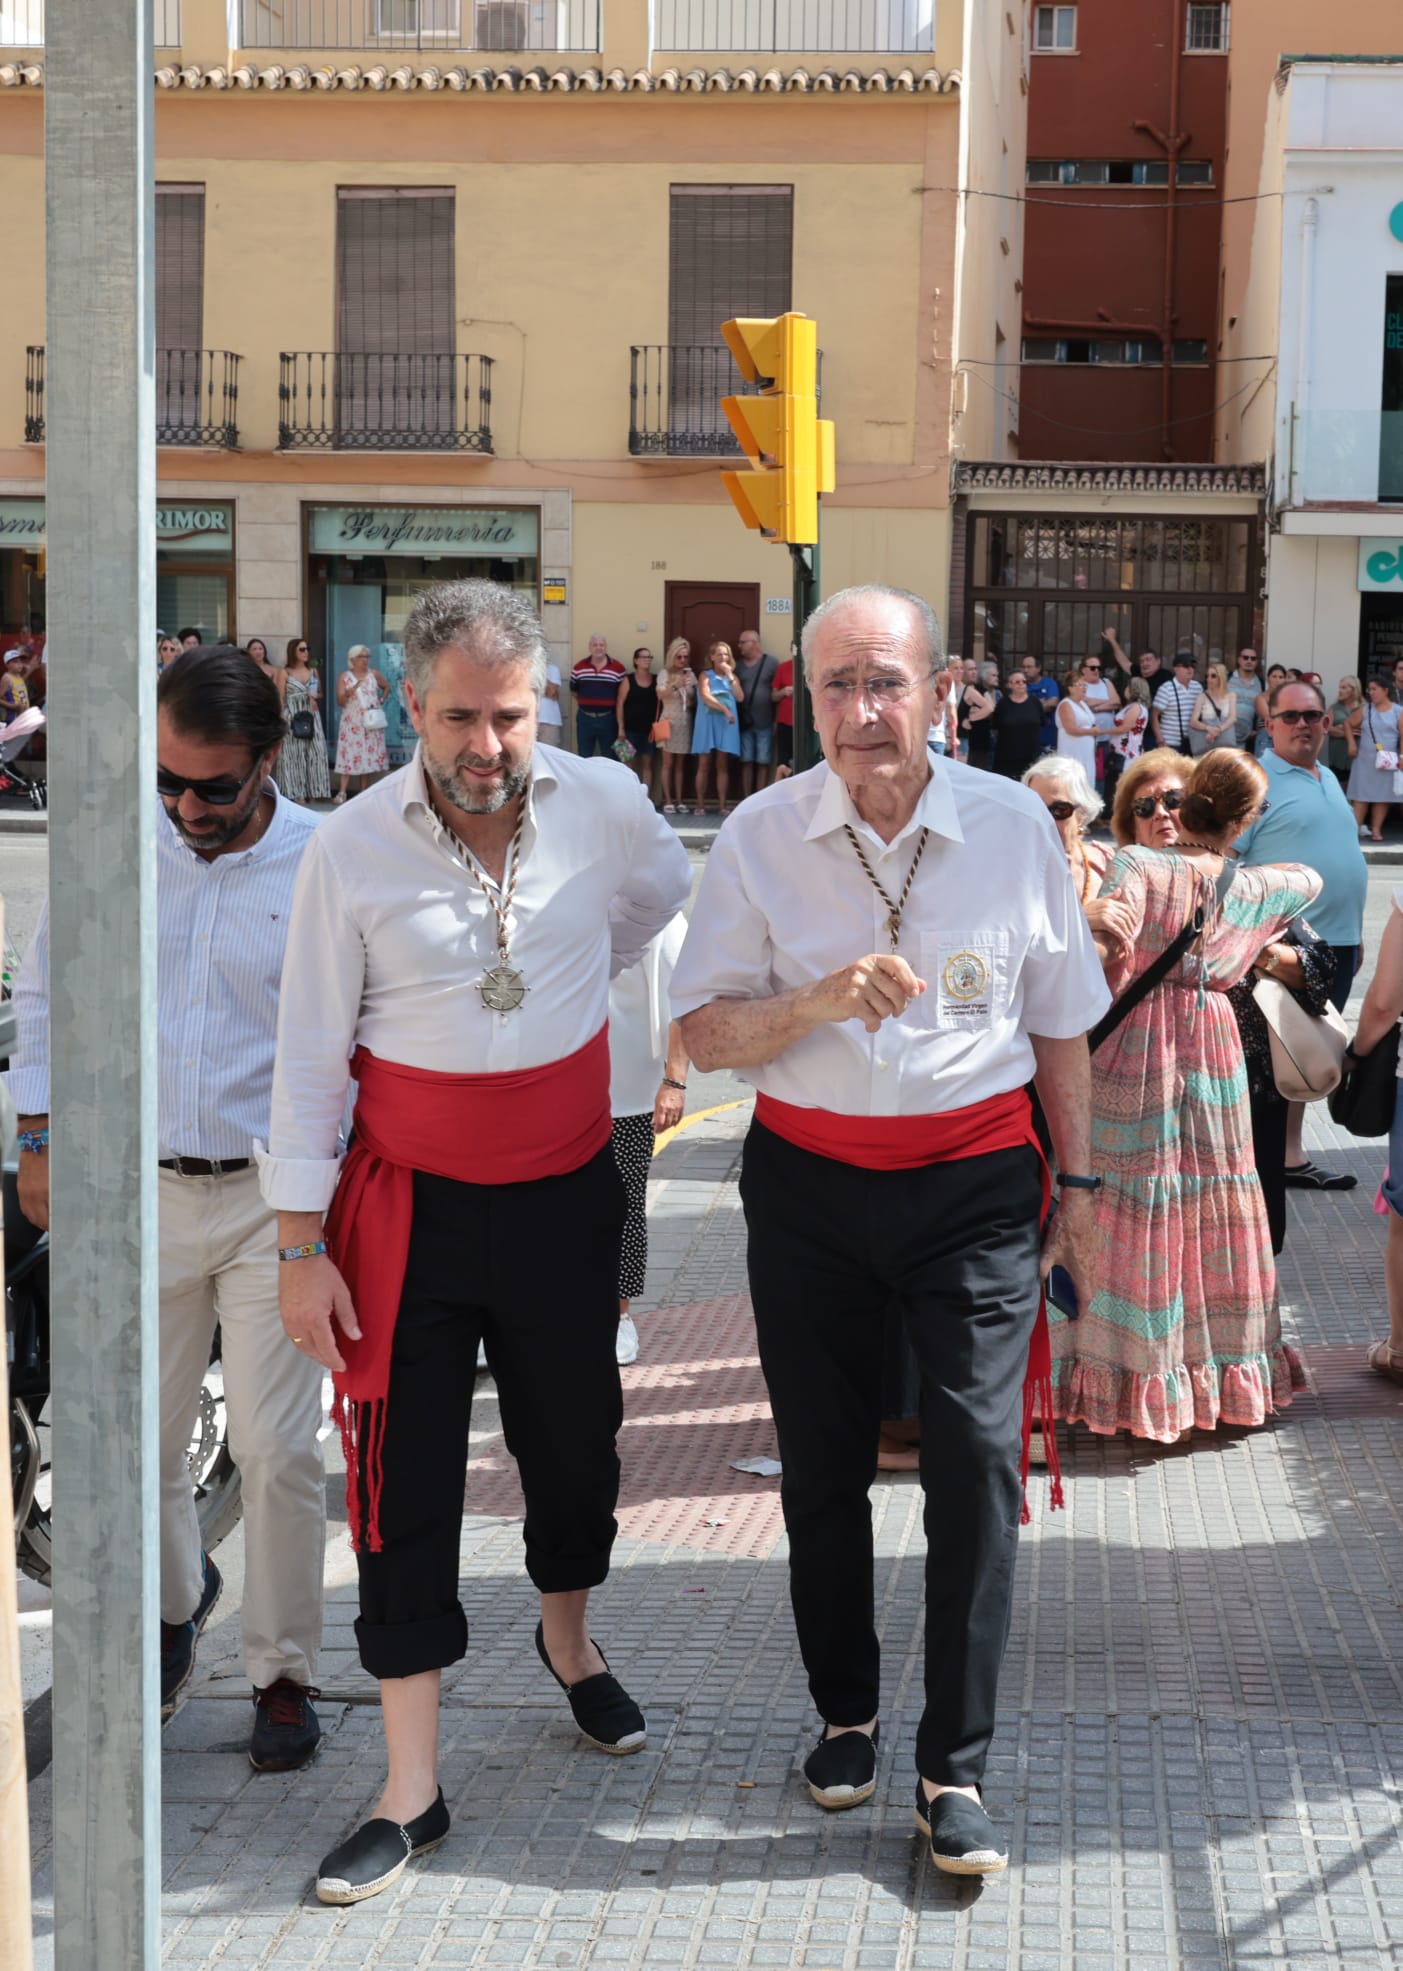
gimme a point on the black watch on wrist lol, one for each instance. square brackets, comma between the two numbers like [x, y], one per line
[1066, 1181]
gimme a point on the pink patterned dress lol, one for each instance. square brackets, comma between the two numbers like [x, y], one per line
[1184, 1327]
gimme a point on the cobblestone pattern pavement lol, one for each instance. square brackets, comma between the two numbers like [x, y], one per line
[1202, 1716]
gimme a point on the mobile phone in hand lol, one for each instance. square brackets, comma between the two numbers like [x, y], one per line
[1062, 1292]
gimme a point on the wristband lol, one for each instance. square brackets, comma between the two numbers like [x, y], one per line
[34, 1140]
[1066, 1182]
[312, 1251]
[680, 1086]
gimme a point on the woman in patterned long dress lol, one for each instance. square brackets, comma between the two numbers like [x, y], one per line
[303, 773]
[360, 748]
[1184, 1330]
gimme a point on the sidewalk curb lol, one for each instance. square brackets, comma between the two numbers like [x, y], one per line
[36, 822]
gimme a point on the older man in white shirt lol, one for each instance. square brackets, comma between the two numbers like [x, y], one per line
[227, 858]
[890, 948]
[453, 937]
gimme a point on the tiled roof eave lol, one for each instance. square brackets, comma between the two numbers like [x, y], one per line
[533, 78]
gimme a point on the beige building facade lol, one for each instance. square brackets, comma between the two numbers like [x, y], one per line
[426, 307]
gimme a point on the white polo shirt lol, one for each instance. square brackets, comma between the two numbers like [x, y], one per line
[992, 925]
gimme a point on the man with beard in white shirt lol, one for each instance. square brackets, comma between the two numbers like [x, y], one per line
[453, 937]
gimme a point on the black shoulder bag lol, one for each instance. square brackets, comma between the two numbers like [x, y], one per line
[1363, 1101]
[1153, 975]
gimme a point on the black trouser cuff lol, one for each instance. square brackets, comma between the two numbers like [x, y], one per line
[407, 1649]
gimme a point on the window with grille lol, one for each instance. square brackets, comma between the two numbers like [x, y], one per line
[1055, 30]
[395, 337]
[180, 304]
[1206, 29]
[730, 255]
[418, 20]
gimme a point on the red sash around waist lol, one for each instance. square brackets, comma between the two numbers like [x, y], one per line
[476, 1128]
[1003, 1122]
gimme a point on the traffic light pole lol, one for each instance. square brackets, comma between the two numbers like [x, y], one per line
[806, 597]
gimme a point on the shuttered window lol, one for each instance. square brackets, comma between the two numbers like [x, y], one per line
[395, 333]
[731, 254]
[180, 309]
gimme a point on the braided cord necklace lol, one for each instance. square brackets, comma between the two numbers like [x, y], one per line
[894, 910]
[502, 987]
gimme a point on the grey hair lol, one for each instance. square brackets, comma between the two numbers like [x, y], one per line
[491, 623]
[1070, 776]
[872, 591]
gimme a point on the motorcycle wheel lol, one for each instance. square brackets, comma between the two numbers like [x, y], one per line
[218, 1487]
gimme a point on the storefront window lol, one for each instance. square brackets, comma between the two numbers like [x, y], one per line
[367, 564]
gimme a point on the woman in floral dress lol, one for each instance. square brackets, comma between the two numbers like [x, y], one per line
[360, 748]
[1184, 1329]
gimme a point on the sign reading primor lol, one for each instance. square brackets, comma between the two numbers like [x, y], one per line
[425, 530]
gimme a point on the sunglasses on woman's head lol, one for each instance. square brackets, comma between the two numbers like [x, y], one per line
[1061, 810]
[1171, 801]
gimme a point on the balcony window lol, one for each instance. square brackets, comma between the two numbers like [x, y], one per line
[22, 23]
[434, 26]
[772, 27]
[1055, 30]
[1206, 29]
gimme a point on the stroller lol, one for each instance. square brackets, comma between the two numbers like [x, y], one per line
[13, 739]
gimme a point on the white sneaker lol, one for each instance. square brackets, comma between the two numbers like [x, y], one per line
[626, 1347]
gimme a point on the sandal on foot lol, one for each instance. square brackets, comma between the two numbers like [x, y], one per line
[1384, 1362]
[842, 1771]
[961, 1835]
[1310, 1177]
[605, 1713]
[378, 1854]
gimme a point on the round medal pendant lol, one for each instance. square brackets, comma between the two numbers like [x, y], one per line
[502, 989]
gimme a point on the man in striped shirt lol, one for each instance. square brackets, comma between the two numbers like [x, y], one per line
[595, 683]
[227, 855]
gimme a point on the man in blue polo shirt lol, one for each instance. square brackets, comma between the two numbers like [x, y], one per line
[1046, 690]
[1309, 820]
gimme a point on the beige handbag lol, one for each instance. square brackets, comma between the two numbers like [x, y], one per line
[1307, 1053]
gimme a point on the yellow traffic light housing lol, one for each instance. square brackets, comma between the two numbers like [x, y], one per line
[790, 447]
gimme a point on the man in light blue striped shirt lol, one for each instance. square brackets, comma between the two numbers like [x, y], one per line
[226, 865]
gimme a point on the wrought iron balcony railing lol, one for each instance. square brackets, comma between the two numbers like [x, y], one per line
[328, 401]
[197, 398]
[22, 23]
[776, 27]
[675, 391]
[392, 26]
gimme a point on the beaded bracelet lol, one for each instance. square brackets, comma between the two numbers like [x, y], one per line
[34, 1140]
[312, 1251]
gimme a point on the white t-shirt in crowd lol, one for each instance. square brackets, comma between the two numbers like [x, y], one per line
[549, 714]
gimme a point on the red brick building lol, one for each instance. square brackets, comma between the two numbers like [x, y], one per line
[1127, 113]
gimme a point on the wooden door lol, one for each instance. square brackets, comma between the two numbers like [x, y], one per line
[702, 611]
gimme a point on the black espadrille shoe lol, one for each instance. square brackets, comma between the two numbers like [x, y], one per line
[961, 1835]
[842, 1771]
[378, 1854]
[605, 1713]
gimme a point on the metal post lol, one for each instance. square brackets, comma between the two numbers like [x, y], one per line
[806, 598]
[99, 106]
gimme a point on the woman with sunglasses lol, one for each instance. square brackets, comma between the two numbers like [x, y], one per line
[303, 770]
[1148, 800]
[1063, 788]
[1374, 728]
[1183, 1330]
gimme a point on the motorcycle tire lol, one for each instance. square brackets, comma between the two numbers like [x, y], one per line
[218, 1486]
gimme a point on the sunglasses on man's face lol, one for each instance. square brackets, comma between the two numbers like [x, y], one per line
[1061, 810]
[1171, 801]
[209, 793]
[1300, 718]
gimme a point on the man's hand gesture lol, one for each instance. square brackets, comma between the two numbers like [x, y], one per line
[878, 987]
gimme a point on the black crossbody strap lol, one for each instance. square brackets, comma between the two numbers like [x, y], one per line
[1152, 975]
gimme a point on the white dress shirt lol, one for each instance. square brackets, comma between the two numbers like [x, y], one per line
[639, 1018]
[221, 928]
[548, 711]
[992, 925]
[391, 934]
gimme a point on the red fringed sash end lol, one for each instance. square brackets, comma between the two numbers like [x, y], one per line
[1037, 1405]
[362, 1428]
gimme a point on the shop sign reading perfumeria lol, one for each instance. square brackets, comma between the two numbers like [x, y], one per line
[423, 530]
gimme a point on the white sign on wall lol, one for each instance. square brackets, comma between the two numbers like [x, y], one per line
[425, 530]
[195, 527]
[1381, 565]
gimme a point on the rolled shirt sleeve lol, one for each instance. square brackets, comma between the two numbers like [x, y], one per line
[316, 1033]
[728, 953]
[28, 1077]
[655, 888]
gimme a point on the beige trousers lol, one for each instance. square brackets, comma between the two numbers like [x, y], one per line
[219, 1263]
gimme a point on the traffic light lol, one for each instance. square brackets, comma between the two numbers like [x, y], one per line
[790, 447]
